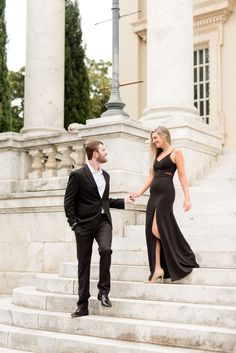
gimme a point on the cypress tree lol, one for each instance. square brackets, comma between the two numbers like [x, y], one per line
[16, 82]
[77, 100]
[5, 105]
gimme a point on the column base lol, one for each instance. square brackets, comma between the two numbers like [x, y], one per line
[153, 117]
[39, 131]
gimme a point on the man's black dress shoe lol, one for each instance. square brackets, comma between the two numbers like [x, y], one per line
[105, 301]
[80, 311]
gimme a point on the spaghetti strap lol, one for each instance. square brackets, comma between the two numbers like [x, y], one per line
[171, 154]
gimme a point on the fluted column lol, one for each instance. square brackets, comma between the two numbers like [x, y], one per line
[169, 59]
[44, 81]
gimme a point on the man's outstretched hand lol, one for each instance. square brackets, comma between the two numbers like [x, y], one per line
[129, 198]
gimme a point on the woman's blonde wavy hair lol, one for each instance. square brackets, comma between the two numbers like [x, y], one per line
[165, 135]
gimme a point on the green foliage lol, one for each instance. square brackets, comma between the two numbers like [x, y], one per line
[100, 86]
[77, 101]
[16, 80]
[5, 107]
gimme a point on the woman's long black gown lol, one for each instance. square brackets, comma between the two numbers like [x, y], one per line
[177, 258]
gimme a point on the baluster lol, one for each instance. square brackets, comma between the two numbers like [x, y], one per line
[65, 166]
[51, 163]
[78, 155]
[36, 165]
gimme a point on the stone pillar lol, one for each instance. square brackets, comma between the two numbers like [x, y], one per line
[169, 59]
[170, 83]
[44, 80]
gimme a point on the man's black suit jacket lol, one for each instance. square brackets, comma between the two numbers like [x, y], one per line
[83, 203]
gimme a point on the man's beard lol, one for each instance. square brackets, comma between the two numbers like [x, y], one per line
[102, 159]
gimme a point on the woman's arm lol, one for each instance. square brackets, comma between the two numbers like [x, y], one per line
[145, 186]
[179, 160]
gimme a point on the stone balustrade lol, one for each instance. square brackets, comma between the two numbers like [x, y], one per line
[55, 160]
[27, 160]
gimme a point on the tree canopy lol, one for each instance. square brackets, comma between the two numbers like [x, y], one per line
[100, 85]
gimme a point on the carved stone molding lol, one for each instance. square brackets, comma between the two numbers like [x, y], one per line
[143, 35]
[207, 12]
[140, 28]
[208, 19]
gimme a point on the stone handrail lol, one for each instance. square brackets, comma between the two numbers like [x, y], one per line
[30, 158]
[55, 160]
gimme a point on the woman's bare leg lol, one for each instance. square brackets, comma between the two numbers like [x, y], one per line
[158, 270]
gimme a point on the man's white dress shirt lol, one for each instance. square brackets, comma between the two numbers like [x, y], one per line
[99, 180]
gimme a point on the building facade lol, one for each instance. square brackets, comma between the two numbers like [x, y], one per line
[214, 57]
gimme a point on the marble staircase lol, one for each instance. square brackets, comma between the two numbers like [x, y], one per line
[193, 315]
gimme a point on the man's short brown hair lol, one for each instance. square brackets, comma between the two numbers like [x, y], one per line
[90, 147]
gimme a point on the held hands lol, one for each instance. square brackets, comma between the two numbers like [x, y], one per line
[187, 205]
[134, 195]
[129, 198]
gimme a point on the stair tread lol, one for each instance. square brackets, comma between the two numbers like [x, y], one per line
[49, 276]
[201, 269]
[9, 350]
[34, 291]
[105, 320]
[104, 342]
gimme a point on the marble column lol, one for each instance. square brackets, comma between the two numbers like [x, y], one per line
[170, 83]
[169, 59]
[44, 80]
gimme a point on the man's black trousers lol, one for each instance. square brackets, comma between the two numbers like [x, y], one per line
[102, 233]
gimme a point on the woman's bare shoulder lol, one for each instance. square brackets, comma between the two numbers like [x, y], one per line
[177, 150]
[176, 154]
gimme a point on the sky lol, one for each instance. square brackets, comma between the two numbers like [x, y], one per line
[97, 38]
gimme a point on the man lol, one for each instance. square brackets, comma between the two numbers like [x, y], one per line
[87, 205]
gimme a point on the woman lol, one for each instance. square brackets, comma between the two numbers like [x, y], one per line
[168, 252]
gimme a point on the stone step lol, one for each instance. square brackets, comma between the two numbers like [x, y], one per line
[212, 188]
[218, 178]
[220, 166]
[198, 244]
[170, 292]
[203, 218]
[188, 231]
[204, 276]
[214, 182]
[217, 260]
[196, 190]
[192, 218]
[198, 314]
[222, 169]
[139, 257]
[206, 195]
[54, 342]
[141, 331]
[216, 173]
[8, 350]
[200, 206]
[227, 157]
